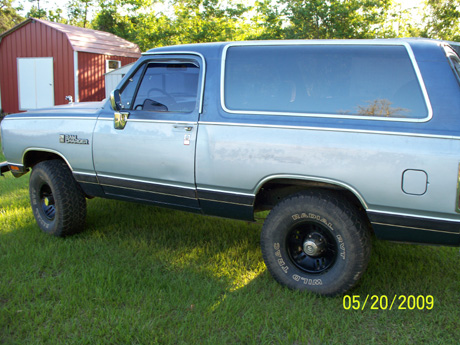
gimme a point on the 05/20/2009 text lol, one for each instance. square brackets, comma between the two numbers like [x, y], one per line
[400, 302]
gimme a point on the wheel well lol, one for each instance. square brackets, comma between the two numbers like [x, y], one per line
[272, 192]
[31, 158]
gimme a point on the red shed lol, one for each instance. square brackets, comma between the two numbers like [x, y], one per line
[42, 62]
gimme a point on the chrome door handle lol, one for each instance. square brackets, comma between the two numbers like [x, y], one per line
[188, 128]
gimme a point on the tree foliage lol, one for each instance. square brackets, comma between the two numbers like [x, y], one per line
[267, 21]
[9, 16]
[124, 18]
[152, 23]
[188, 21]
[78, 12]
[316, 19]
[400, 22]
[442, 19]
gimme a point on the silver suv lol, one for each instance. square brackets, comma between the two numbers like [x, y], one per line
[337, 139]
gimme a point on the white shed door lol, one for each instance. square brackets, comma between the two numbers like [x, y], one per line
[36, 83]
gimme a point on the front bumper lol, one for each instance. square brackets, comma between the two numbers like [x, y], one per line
[4, 168]
[16, 169]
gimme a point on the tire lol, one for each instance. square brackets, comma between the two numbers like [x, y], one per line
[57, 201]
[316, 241]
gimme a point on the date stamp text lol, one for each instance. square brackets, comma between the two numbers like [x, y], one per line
[383, 302]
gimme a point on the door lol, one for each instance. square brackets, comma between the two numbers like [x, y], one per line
[36, 83]
[153, 157]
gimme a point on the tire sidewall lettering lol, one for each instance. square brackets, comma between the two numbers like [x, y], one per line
[312, 216]
[279, 258]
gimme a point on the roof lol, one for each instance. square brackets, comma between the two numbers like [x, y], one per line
[87, 40]
[214, 49]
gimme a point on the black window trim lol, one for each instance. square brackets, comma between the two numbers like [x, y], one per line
[171, 55]
[148, 63]
[451, 53]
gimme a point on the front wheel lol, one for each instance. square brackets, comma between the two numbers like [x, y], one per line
[316, 241]
[57, 201]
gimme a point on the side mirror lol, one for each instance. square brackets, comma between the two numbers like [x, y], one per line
[120, 117]
[115, 100]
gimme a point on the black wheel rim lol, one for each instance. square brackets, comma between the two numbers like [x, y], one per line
[47, 202]
[312, 247]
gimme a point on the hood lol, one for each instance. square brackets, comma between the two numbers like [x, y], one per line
[86, 108]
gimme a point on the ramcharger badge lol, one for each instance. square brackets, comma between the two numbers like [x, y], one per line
[72, 139]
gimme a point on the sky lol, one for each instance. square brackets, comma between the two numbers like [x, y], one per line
[415, 5]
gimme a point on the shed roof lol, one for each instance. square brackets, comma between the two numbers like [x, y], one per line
[87, 40]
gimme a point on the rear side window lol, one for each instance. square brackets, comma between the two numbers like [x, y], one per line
[356, 80]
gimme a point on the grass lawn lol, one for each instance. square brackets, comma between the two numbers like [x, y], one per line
[145, 275]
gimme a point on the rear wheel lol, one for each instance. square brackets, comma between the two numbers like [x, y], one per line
[58, 203]
[316, 241]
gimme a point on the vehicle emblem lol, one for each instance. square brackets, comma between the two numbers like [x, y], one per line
[72, 139]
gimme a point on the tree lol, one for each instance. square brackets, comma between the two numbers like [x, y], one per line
[209, 21]
[188, 21]
[78, 12]
[36, 11]
[315, 19]
[9, 16]
[267, 21]
[39, 11]
[124, 18]
[442, 19]
[400, 23]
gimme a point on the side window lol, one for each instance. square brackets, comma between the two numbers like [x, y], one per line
[331, 80]
[128, 90]
[168, 87]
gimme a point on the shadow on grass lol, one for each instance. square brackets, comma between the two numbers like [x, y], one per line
[229, 251]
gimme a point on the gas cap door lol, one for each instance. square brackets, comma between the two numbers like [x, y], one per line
[414, 182]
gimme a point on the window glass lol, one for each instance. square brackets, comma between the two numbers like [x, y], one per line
[128, 90]
[112, 65]
[168, 87]
[323, 79]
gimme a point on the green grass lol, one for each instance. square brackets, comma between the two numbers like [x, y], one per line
[145, 275]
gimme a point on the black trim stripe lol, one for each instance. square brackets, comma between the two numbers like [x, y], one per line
[227, 210]
[147, 187]
[223, 197]
[159, 199]
[417, 223]
[85, 178]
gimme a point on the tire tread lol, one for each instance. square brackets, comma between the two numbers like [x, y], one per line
[71, 207]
